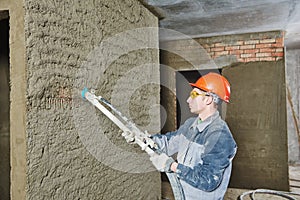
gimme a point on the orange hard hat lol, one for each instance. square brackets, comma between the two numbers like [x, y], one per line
[214, 83]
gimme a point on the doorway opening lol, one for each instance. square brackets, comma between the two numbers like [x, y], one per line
[4, 107]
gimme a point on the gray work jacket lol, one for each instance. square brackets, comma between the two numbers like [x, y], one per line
[205, 150]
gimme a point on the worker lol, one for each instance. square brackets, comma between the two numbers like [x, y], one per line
[204, 144]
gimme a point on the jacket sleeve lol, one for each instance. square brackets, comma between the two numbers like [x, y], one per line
[169, 142]
[220, 149]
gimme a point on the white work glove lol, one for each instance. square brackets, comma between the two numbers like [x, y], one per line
[129, 137]
[161, 162]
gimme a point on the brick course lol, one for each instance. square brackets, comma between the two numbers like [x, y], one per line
[224, 50]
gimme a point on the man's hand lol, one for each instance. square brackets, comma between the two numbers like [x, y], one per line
[129, 137]
[161, 162]
[173, 166]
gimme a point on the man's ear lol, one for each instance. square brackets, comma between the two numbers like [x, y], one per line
[209, 100]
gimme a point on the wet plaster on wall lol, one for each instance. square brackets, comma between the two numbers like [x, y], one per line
[59, 37]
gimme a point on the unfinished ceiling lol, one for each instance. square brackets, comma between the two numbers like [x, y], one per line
[201, 18]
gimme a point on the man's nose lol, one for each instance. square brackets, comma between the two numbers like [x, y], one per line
[188, 100]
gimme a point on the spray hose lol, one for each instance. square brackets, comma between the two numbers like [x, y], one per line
[286, 195]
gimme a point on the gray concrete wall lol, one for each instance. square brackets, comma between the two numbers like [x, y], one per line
[293, 107]
[60, 37]
[257, 119]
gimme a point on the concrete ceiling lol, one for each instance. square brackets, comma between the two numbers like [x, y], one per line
[201, 18]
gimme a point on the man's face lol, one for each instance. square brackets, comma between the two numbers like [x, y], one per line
[197, 101]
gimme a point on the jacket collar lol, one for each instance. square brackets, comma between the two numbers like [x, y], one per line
[201, 125]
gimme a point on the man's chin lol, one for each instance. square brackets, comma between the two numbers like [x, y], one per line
[193, 111]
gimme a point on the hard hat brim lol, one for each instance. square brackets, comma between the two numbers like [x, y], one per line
[195, 86]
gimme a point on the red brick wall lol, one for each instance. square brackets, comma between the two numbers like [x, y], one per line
[253, 47]
[225, 50]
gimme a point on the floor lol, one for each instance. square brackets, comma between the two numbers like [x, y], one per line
[294, 171]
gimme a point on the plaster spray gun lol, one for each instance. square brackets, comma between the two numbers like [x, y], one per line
[131, 133]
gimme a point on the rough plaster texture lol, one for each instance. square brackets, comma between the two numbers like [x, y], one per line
[293, 103]
[257, 119]
[59, 37]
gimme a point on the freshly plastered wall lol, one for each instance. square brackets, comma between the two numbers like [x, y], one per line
[73, 151]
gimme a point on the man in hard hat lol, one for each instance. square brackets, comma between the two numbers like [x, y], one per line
[204, 144]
